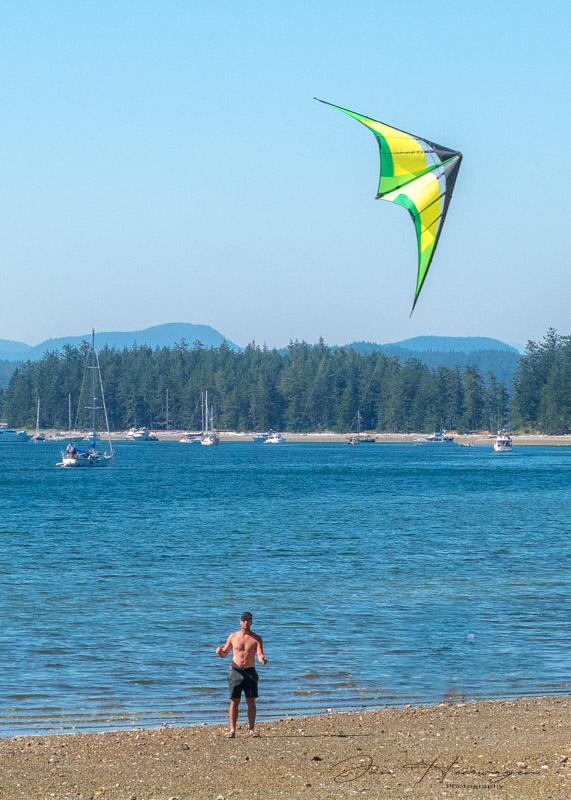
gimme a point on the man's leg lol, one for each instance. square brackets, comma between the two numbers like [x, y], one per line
[251, 713]
[234, 704]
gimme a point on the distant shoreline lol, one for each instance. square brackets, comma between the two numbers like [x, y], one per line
[466, 439]
[380, 438]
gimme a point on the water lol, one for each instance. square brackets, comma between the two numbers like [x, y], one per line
[378, 575]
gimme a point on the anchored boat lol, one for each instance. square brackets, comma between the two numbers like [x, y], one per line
[437, 437]
[74, 457]
[503, 443]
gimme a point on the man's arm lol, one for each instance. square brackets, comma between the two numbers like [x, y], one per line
[223, 651]
[261, 657]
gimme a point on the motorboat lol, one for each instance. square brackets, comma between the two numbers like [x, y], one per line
[437, 437]
[503, 443]
[140, 435]
[73, 457]
[190, 438]
[10, 435]
[275, 438]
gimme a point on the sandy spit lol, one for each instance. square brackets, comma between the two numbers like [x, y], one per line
[380, 438]
[490, 750]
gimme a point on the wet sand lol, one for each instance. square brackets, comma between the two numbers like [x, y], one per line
[490, 750]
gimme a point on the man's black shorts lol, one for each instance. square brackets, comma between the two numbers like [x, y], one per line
[242, 679]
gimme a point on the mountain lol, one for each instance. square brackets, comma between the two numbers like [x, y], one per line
[491, 355]
[494, 356]
[156, 336]
[12, 350]
[449, 344]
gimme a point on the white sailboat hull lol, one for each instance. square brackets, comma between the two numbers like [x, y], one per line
[209, 439]
[72, 458]
[88, 460]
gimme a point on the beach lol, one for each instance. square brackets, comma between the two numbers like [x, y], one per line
[498, 749]
[489, 750]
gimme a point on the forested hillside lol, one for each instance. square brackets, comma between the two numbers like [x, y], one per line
[542, 398]
[6, 371]
[309, 388]
[501, 363]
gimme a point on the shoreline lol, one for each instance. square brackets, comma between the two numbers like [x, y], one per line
[483, 750]
[328, 437]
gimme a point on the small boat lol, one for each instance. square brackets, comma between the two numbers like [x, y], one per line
[73, 457]
[66, 437]
[259, 438]
[275, 438]
[10, 435]
[190, 438]
[503, 443]
[208, 437]
[437, 437]
[359, 437]
[59, 437]
[140, 435]
[38, 437]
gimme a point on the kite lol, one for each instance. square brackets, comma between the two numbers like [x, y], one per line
[419, 175]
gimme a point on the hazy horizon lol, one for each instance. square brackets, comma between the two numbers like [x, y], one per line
[85, 334]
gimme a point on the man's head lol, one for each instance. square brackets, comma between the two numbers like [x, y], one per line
[246, 620]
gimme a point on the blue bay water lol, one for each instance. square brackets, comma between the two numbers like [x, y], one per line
[378, 575]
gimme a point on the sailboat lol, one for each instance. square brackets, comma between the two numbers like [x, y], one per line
[63, 437]
[358, 437]
[38, 437]
[209, 437]
[73, 457]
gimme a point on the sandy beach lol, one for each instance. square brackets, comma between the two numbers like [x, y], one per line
[488, 750]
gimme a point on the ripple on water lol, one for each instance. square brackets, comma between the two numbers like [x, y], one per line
[366, 570]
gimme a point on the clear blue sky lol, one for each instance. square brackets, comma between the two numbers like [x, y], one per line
[165, 162]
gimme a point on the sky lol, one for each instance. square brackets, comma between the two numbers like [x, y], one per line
[166, 162]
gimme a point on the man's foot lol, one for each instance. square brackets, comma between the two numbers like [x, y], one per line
[230, 735]
[253, 733]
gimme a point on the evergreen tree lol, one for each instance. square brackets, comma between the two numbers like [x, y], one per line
[473, 406]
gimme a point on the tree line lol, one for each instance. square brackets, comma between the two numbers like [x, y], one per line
[307, 388]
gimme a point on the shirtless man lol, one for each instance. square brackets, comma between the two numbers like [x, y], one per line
[243, 676]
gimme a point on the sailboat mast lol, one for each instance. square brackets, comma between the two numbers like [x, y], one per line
[69, 414]
[93, 395]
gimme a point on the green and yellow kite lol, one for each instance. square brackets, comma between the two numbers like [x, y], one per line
[419, 175]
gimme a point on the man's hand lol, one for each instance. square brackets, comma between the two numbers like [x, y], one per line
[264, 660]
[218, 651]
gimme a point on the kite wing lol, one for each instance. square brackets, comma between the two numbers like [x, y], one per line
[419, 175]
